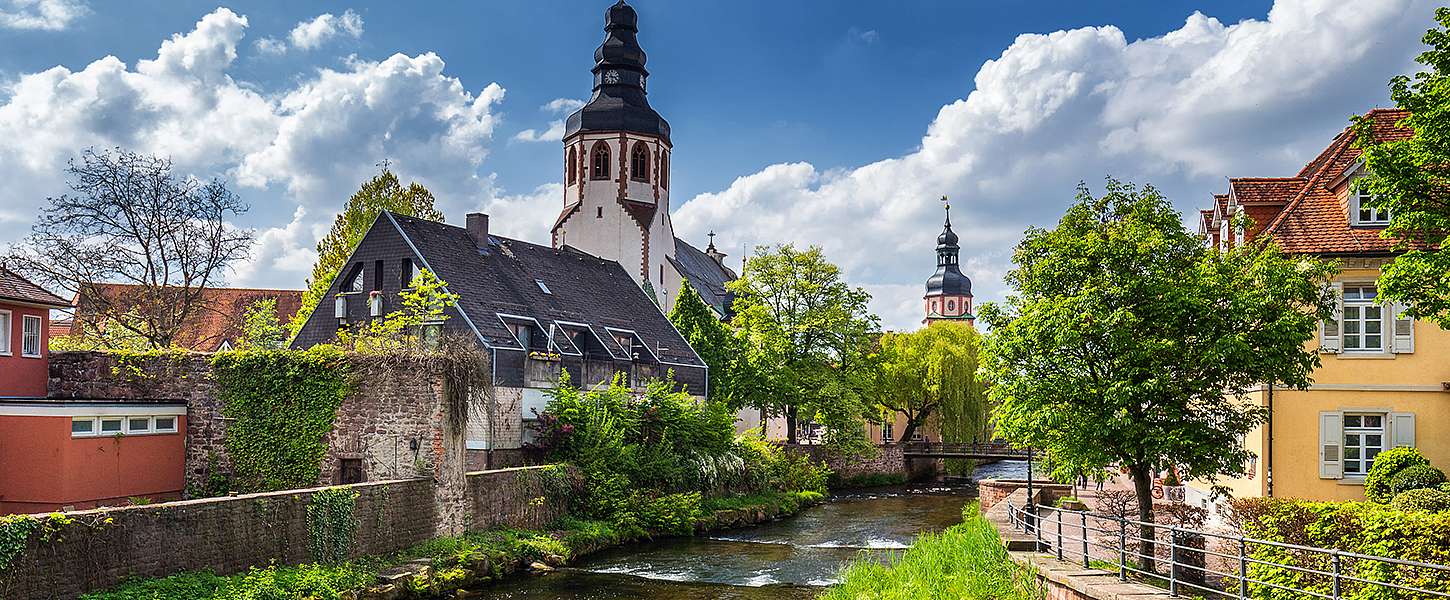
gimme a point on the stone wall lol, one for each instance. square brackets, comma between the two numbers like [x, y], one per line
[887, 460]
[98, 548]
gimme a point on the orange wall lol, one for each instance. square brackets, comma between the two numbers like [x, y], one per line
[21, 376]
[43, 468]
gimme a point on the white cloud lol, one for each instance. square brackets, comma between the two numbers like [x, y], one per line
[1181, 110]
[47, 15]
[300, 149]
[313, 33]
[555, 131]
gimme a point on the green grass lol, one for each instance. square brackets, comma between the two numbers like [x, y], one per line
[966, 561]
[782, 501]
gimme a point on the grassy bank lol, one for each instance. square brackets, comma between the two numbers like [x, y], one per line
[442, 565]
[966, 561]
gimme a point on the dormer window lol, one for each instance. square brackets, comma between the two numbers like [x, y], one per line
[1364, 214]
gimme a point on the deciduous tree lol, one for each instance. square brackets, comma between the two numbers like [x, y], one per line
[383, 192]
[261, 329]
[1411, 178]
[931, 374]
[710, 338]
[1126, 341]
[133, 220]
[805, 338]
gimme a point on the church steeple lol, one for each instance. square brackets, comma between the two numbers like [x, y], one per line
[619, 102]
[948, 291]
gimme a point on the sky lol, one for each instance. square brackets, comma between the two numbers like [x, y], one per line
[814, 122]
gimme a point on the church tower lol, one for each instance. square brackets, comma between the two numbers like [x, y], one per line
[617, 165]
[948, 291]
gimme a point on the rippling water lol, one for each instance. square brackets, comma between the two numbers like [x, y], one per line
[783, 560]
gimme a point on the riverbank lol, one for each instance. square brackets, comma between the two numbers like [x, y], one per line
[447, 565]
[966, 561]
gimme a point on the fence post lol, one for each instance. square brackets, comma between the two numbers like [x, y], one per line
[1059, 533]
[1122, 550]
[1173, 560]
[1334, 563]
[1085, 562]
[1036, 527]
[1243, 568]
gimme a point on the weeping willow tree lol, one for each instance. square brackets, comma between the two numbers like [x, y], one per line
[930, 375]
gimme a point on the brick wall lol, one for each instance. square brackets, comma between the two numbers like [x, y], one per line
[100, 548]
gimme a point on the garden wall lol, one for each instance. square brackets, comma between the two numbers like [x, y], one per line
[90, 550]
[889, 460]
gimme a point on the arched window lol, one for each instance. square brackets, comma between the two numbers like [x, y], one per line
[601, 161]
[639, 163]
[665, 169]
[571, 166]
[951, 305]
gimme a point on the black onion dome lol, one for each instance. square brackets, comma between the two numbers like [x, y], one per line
[948, 279]
[619, 102]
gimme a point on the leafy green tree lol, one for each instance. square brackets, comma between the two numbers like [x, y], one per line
[805, 337]
[1411, 178]
[710, 338]
[382, 192]
[261, 329]
[1126, 341]
[423, 303]
[931, 374]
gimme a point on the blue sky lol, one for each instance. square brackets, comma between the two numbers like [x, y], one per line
[831, 123]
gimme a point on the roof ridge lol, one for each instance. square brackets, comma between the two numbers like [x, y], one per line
[1334, 151]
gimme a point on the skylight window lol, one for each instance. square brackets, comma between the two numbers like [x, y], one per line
[543, 287]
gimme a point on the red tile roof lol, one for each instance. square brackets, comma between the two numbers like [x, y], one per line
[217, 318]
[1305, 213]
[15, 288]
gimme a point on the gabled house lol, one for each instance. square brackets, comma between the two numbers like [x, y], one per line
[1385, 378]
[24, 335]
[213, 324]
[535, 309]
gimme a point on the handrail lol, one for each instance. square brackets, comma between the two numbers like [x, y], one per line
[1116, 546]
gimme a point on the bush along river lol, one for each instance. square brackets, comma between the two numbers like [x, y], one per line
[791, 558]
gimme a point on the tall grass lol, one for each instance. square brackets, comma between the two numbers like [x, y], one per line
[966, 561]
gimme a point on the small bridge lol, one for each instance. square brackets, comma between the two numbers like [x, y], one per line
[976, 451]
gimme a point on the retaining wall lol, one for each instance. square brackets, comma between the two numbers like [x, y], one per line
[888, 460]
[95, 549]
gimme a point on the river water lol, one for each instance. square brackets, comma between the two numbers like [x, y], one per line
[783, 560]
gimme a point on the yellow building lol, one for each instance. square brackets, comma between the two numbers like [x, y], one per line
[1385, 379]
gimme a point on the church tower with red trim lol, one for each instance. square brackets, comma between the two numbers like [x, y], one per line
[948, 291]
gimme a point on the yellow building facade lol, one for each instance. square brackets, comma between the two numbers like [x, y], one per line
[1385, 378]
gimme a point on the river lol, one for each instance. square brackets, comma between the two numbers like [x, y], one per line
[783, 560]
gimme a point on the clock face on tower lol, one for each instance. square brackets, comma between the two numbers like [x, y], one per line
[611, 76]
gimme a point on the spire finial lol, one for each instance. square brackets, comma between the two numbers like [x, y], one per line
[948, 206]
[712, 239]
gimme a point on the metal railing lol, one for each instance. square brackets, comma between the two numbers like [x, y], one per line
[1217, 565]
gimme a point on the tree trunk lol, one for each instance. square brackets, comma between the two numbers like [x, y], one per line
[790, 437]
[1143, 487]
[912, 424]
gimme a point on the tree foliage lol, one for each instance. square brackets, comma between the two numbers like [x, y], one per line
[708, 336]
[132, 220]
[1411, 178]
[931, 374]
[805, 338]
[261, 329]
[384, 192]
[1126, 341]
[424, 302]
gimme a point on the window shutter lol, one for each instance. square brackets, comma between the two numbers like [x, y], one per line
[1402, 429]
[1331, 440]
[1329, 336]
[1403, 329]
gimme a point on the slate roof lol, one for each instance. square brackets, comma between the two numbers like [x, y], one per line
[15, 288]
[217, 316]
[501, 279]
[1306, 214]
[705, 275]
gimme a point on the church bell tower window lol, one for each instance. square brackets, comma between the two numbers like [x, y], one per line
[639, 163]
[571, 165]
[600, 158]
[664, 169]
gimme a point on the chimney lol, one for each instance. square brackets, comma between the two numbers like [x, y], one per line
[477, 225]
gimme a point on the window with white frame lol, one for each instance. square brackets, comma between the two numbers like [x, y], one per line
[92, 426]
[888, 434]
[1223, 235]
[1366, 214]
[4, 332]
[30, 336]
[1364, 438]
[1364, 319]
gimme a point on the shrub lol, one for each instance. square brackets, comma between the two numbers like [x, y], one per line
[1416, 477]
[1445, 487]
[1422, 499]
[1386, 465]
[671, 514]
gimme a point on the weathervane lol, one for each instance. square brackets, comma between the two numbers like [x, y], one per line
[948, 206]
